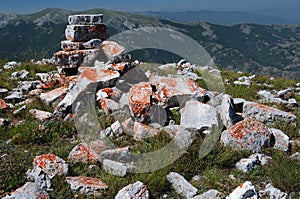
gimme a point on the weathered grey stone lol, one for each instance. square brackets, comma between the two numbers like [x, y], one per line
[83, 153]
[40, 115]
[10, 65]
[51, 165]
[181, 185]
[248, 134]
[183, 137]
[281, 140]
[197, 115]
[86, 185]
[16, 95]
[93, 43]
[133, 191]
[75, 58]
[85, 19]
[40, 178]
[113, 51]
[19, 110]
[266, 114]
[227, 111]
[142, 131]
[68, 45]
[116, 128]
[115, 168]
[238, 104]
[255, 160]
[244, 191]
[3, 90]
[54, 95]
[35, 92]
[20, 74]
[285, 94]
[29, 191]
[83, 33]
[119, 154]
[273, 192]
[210, 194]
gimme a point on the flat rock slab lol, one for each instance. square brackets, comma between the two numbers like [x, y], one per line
[248, 134]
[119, 154]
[51, 165]
[266, 114]
[181, 185]
[68, 45]
[53, 95]
[85, 19]
[86, 185]
[197, 115]
[168, 87]
[133, 191]
[40, 115]
[28, 191]
[84, 33]
[106, 77]
[245, 191]
[75, 58]
[140, 100]
[255, 160]
[82, 153]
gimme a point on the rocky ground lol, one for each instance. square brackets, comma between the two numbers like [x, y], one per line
[83, 132]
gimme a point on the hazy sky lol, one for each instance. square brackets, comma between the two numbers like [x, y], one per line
[280, 8]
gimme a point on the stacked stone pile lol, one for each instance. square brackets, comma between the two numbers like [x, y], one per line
[84, 33]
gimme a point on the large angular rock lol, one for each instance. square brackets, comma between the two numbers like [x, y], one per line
[53, 95]
[248, 134]
[29, 191]
[51, 165]
[83, 33]
[181, 185]
[112, 50]
[40, 115]
[83, 153]
[40, 178]
[142, 131]
[182, 137]
[133, 191]
[210, 194]
[196, 115]
[119, 154]
[244, 191]
[86, 185]
[140, 101]
[282, 141]
[75, 58]
[180, 88]
[266, 114]
[273, 192]
[115, 168]
[85, 19]
[255, 160]
[227, 111]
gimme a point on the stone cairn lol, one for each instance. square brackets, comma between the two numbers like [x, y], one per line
[84, 33]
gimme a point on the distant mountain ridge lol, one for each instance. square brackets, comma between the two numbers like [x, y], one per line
[218, 17]
[267, 49]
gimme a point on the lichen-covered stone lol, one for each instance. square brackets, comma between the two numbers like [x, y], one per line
[84, 33]
[82, 153]
[133, 191]
[85, 19]
[248, 134]
[86, 185]
[68, 45]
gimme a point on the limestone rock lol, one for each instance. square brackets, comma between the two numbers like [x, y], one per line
[68, 45]
[244, 191]
[20, 74]
[112, 50]
[210, 194]
[273, 192]
[87, 19]
[140, 101]
[75, 58]
[16, 95]
[85, 185]
[119, 154]
[248, 134]
[227, 111]
[104, 78]
[181, 185]
[53, 95]
[142, 131]
[40, 115]
[82, 153]
[116, 128]
[285, 94]
[10, 65]
[29, 191]
[19, 110]
[281, 140]
[51, 165]
[93, 43]
[115, 168]
[83, 33]
[266, 114]
[40, 178]
[255, 160]
[98, 146]
[197, 115]
[133, 191]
